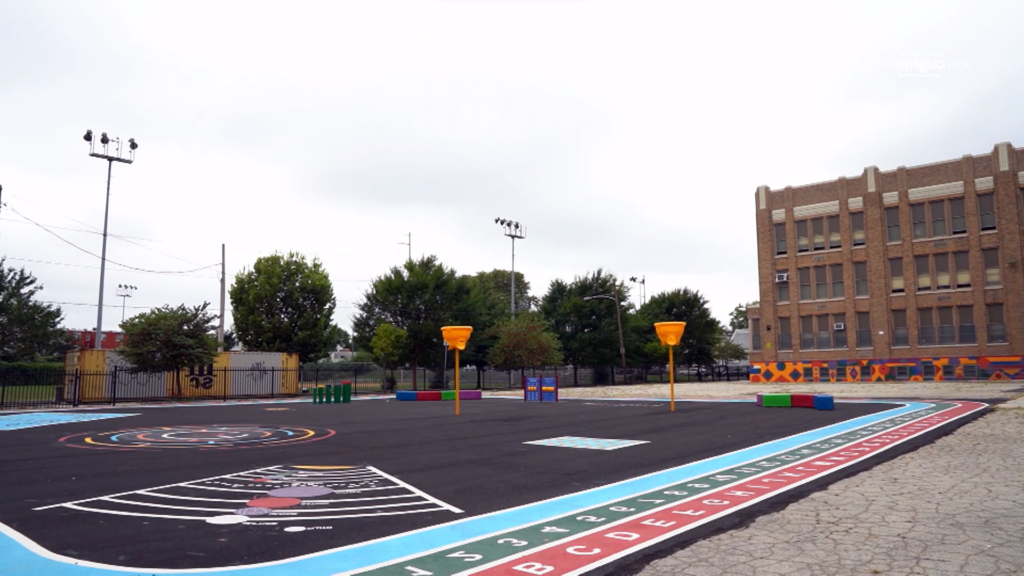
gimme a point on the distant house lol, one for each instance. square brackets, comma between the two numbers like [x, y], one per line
[86, 339]
[339, 355]
[741, 336]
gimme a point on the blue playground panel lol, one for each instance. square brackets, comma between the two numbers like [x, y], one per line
[549, 389]
[531, 389]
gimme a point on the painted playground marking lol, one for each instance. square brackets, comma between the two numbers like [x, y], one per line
[520, 539]
[587, 443]
[269, 496]
[36, 419]
[197, 437]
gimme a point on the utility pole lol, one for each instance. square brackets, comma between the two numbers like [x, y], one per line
[514, 231]
[110, 158]
[220, 328]
[409, 244]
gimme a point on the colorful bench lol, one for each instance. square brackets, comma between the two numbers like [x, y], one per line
[435, 395]
[818, 401]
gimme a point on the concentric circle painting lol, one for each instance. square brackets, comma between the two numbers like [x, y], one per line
[210, 437]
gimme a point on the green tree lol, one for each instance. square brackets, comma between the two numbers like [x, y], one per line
[170, 339]
[702, 332]
[285, 304]
[29, 329]
[230, 340]
[525, 342]
[419, 297]
[344, 339]
[738, 316]
[389, 347]
[586, 329]
[496, 284]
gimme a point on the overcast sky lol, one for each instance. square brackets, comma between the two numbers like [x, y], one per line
[629, 136]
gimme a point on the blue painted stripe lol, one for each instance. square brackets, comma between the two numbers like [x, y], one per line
[20, 561]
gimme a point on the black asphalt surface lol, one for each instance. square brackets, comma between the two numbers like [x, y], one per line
[476, 462]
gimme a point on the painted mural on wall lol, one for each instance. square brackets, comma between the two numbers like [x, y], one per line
[891, 369]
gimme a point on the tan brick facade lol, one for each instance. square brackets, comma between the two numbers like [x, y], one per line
[935, 190]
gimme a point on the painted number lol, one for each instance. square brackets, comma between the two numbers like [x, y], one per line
[622, 509]
[513, 542]
[467, 557]
[413, 571]
[590, 519]
[204, 382]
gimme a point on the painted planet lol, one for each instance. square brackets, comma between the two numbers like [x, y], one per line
[227, 519]
[253, 511]
[300, 492]
[273, 502]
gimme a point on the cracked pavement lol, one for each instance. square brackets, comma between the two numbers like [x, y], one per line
[952, 507]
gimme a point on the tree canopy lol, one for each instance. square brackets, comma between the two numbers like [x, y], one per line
[525, 342]
[170, 339]
[285, 304]
[419, 297]
[738, 316]
[702, 330]
[29, 329]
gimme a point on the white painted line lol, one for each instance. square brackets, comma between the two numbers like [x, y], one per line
[131, 491]
[257, 519]
[417, 491]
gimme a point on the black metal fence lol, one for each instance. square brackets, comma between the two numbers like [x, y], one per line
[20, 388]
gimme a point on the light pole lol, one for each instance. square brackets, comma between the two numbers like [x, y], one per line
[110, 158]
[643, 288]
[124, 292]
[618, 320]
[514, 231]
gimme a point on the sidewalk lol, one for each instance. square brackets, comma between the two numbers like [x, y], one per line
[954, 507]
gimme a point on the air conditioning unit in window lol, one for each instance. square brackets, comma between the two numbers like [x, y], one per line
[781, 278]
[839, 326]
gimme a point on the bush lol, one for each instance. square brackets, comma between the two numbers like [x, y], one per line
[390, 384]
[31, 373]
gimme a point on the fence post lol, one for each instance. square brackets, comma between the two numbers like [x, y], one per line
[77, 388]
[3, 389]
[113, 388]
[355, 383]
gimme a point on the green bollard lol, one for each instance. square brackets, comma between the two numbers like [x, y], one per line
[337, 393]
[346, 392]
[319, 394]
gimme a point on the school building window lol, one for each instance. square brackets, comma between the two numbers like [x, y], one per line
[780, 239]
[802, 240]
[924, 273]
[782, 285]
[892, 224]
[805, 283]
[990, 256]
[900, 335]
[785, 334]
[962, 264]
[896, 275]
[860, 278]
[941, 271]
[857, 228]
[755, 333]
[987, 211]
[958, 216]
[863, 330]
[966, 333]
[996, 325]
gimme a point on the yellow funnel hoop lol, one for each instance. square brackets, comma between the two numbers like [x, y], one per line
[670, 333]
[456, 336]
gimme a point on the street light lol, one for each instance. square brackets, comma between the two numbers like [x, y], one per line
[514, 231]
[643, 288]
[124, 292]
[105, 142]
[618, 320]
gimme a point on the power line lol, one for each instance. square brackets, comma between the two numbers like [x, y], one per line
[128, 239]
[73, 245]
[96, 267]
